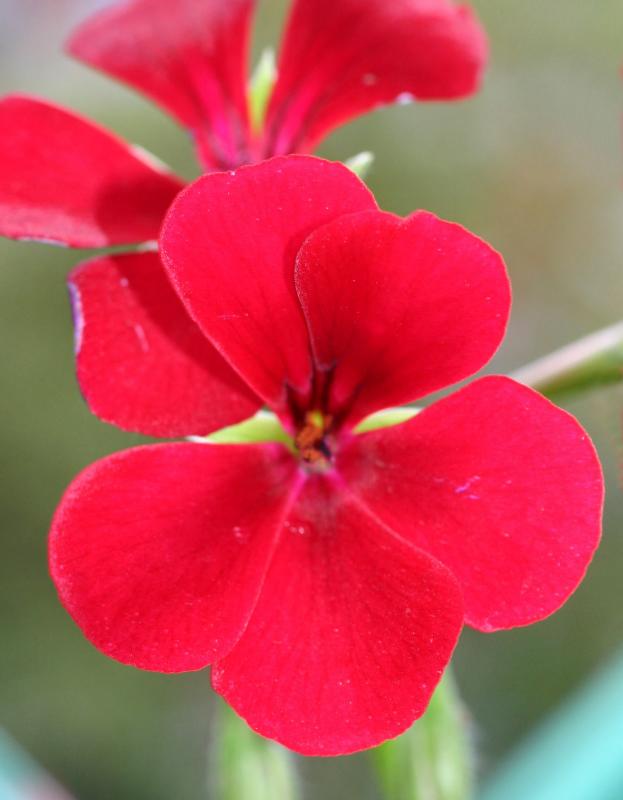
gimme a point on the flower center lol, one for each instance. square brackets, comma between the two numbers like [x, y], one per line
[312, 439]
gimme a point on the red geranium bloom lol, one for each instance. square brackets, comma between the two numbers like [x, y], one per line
[67, 181]
[326, 583]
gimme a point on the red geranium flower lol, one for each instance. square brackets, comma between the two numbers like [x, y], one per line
[65, 180]
[326, 582]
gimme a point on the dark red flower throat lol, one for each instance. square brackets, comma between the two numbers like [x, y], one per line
[316, 425]
[314, 439]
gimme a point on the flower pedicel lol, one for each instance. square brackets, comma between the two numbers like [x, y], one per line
[326, 582]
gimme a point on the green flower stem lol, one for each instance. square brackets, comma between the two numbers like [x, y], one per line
[432, 760]
[246, 766]
[595, 360]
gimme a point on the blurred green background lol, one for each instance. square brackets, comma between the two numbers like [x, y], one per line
[532, 164]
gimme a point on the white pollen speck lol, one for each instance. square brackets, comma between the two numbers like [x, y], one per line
[142, 339]
[300, 529]
[124, 282]
[240, 535]
[467, 485]
[405, 99]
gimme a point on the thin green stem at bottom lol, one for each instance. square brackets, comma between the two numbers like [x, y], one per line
[245, 766]
[433, 759]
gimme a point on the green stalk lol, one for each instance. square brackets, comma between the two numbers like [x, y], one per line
[432, 760]
[246, 766]
[591, 362]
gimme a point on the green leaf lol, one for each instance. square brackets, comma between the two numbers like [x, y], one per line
[432, 760]
[261, 88]
[245, 766]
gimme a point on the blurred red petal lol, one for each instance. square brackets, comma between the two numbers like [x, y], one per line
[500, 485]
[190, 56]
[159, 553]
[398, 308]
[66, 181]
[142, 362]
[230, 244]
[341, 58]
[350, 635]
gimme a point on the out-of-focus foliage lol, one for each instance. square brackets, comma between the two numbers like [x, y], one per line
[533, 164]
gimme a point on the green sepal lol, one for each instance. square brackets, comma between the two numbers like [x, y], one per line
[266, 427]
[261, 87]
[360, 163]
[386, 418]
[263, 427]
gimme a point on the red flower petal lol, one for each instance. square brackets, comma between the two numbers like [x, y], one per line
[189, 56]
[341, 58]
[497, 483]
[350, 635]
[65, 180]
[230, 244]
[142, 362]
[159, 553]
[399, 308]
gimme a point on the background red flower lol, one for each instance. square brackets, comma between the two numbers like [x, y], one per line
[66, 181]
